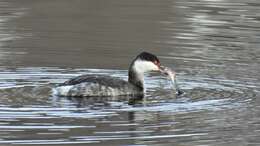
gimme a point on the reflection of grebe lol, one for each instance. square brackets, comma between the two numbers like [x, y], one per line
[97, 85]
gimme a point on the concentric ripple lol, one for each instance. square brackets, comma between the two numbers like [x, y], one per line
[29, 109]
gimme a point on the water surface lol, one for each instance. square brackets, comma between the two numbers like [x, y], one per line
[213, 45]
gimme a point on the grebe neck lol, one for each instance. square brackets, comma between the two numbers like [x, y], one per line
[136, 77]
[143, 63]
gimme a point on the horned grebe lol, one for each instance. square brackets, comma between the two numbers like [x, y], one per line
[100, 85]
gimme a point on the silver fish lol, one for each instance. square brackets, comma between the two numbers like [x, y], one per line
[172, 75]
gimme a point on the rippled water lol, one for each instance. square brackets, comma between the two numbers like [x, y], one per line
[213, 45]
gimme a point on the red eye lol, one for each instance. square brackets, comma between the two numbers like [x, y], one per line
[157, 63]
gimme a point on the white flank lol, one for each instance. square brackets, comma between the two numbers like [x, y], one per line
[62, 90]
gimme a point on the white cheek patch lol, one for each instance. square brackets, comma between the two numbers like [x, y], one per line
[145, 66]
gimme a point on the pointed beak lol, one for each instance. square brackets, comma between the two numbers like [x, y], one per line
[167, 72]
[162, 70]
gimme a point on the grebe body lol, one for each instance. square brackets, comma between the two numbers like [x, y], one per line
[99, 85]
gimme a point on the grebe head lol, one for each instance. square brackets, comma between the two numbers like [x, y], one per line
[144, 62]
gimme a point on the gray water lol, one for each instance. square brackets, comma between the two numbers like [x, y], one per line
[213, 45]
